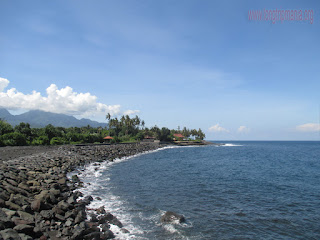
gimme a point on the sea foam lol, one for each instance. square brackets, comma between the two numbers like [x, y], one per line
[96, 181]
[231, 145]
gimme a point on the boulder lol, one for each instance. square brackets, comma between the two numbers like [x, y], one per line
[24, 228]
[36, 205]
[26, 216]
[12, 205]
[81, 216]
[25, 237]
[78, 232]
[123, 230]
[172, 217]
[116, 222]
[101, 210]
[63, 205]
[33, 183]
[9, 212]
[91, 236]
[46, 214]
[10, 234]
[43, 196]
[5, 221]
[105, 227]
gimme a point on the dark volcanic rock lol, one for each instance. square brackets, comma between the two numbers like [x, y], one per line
[37, 201]
[36, 205]
[116, 222]
[101, 210]
[24, 228]
[10, 234]
[172, 217]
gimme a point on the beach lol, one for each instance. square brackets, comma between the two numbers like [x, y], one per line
[39, 201]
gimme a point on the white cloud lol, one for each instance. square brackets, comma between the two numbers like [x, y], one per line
[217, 128]
[308, 127]
[63, 100]
[3, 83]
[131, 112]
[243, 129]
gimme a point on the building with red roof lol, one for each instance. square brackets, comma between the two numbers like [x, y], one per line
[179, 136]
[107, 139]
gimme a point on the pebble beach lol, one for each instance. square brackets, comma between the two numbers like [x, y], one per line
[39, 201]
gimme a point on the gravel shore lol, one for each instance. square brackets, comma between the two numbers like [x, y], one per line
[38, 201]
[7, 153]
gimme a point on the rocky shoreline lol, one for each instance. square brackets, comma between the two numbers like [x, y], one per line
[38, 201]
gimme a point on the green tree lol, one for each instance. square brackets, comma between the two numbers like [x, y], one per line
[24, 128]
[140, 136]
[14, 139]
[51, 131]
[201, 134]
[165, 134]
[5, 127]
[156, 132]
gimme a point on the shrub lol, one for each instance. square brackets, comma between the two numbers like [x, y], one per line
[56, 141]
[41, 140]
[14, 139]
[5, 127]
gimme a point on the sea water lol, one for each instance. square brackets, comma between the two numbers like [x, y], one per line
[242, 190]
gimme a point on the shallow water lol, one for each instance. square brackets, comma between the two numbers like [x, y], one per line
[244, 190]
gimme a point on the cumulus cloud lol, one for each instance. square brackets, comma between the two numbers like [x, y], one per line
[3, 83]
[243, 129]
[63, 100]
[217, 128]
[131, 112]
[308, 127]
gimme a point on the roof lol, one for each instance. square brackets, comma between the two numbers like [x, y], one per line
[108, 137]
[179, 135]
[148, 137]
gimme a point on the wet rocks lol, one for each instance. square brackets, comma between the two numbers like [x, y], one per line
[10, 234]
[172, 217]
[38, 201]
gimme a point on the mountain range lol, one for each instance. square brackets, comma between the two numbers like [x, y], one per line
[37, 118]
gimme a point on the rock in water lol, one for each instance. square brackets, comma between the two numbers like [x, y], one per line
[172, 217]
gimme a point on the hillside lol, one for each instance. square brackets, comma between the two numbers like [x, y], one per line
[37, 118]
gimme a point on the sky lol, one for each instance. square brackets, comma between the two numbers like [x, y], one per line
[200, 64]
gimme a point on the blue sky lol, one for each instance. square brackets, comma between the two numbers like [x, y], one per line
[179, 63]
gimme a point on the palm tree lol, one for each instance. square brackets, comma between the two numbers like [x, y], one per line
[108, 116]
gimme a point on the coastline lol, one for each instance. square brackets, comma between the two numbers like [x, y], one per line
[91, 177]
[38, 201]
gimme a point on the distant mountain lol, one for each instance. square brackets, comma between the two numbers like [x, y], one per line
[37, 118]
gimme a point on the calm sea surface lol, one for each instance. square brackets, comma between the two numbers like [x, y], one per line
[244, 190]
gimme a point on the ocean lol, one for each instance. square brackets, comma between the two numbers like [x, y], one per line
[243, 190]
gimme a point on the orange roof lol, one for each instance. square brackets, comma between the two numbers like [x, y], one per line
[148, 137]
[108, 137]
[179, 135]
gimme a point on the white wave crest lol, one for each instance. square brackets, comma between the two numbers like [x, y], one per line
[94, 185]
[231, 145]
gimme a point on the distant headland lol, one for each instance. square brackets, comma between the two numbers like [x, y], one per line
[59, 130]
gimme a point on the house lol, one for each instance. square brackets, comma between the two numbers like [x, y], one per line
[148, 139]
[178, 136]
[107, 139]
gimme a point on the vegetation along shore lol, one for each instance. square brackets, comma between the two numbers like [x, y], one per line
[122, 130]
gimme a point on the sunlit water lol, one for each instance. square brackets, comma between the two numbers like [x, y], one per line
[244, 190]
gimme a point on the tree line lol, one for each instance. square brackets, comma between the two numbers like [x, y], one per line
[124, 129]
